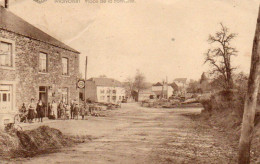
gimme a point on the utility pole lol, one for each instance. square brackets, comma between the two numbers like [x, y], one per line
[162, 89]
[86, 71]
[251, 100]
[167, 96]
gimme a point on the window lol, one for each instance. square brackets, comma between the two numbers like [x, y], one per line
[64, 95]
[42, 89]
[102, 97]
[102, 91]
[65, 66]
[108, 91]
[6, 100]
[6, 57]
[114, 91]
[4, 97]
[42, 62]
[114, 98]
[119, 97]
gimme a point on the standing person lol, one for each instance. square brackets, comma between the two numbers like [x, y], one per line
[72, 109]
[82, 111]
[40, 110]
[86, 109]
[60, 106]
[76, 111]
[31, 111]
[67, 111]
[49, 110]
[54, 109]
[90, 108]
[63, 110]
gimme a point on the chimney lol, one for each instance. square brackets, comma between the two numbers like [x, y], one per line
[6, 4]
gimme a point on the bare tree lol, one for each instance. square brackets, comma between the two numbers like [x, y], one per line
[129, 86]
[251, 99]
[139, 81]
[219, 56]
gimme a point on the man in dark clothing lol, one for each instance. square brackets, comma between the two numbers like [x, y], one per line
[72, 109]
[40, 110]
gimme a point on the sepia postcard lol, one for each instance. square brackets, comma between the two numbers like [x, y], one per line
[130, 81]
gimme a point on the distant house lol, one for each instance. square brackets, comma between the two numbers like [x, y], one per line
[104, 90]
[33, 64]
[182, 84]
[162, 90]
[146, 94]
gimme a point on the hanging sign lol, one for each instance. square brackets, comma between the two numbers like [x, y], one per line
[81, 84]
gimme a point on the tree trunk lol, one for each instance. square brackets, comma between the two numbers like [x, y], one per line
[251, 99]
[229, 78]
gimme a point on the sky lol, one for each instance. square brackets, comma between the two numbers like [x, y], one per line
[158, 37]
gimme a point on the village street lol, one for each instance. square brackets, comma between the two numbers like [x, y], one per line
[134, 134]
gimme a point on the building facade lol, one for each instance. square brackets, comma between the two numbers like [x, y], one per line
[105, 90]
[33, 65]
[146, 94]
[162, 90]
[182, 84]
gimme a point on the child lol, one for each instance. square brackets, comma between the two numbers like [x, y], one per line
[23, 114]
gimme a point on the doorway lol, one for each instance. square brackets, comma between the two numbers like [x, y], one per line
[43, 96]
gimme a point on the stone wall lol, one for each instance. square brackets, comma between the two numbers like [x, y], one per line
[26, 72]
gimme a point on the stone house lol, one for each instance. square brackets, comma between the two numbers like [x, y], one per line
[162, 90]
[104, 90]
[33, 64]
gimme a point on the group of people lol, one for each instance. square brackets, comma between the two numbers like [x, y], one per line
[61, 110]
[34, 112]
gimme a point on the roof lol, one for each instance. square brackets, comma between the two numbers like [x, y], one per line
[108, 82]
[11, 22]
[158, 84]
[174, 86]
[183, 80]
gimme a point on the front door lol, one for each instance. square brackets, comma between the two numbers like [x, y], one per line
[6, 97]
[43, 96]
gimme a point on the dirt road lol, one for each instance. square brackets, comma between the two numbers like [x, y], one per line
[134, 134]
